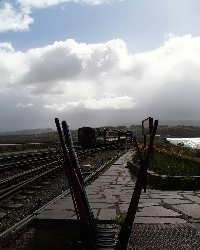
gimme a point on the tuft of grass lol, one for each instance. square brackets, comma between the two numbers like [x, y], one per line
[120, 218]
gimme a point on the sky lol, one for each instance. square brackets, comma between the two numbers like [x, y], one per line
[98, 62]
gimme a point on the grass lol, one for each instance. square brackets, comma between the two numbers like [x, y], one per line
[120, 218]
[178, 151]
[172, 165]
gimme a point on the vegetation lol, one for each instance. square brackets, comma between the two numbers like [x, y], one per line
[172, 165]
[178, 151]
[173, 160]
[176, 173]
[120, 218]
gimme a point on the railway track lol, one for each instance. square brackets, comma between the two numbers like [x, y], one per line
[38, 168]
[21, 170]
[98, 165]
[14, 164]
[9, 186]
[12, 233]
[7, 158]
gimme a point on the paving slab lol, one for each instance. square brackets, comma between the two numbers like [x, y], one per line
[157, 211]
[107, 214]
[61, 204]
[158, 220]
[101, 205]
[164, 196]
[56, 215]
[147, 204]
[192, 210]
[157, 201]
[192, 197]
[176, 201]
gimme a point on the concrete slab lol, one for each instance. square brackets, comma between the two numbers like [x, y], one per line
[165, 196]
[157, 211]
[146, 204]
[157, 201]
[123, 207]
[192, 210]
[107, 214]
[101, 205]
[192, 197]
[176, 201]
[158, 220]
[56, 215]
[110, 200]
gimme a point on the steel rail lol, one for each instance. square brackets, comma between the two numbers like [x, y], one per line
[25, 183]
[11, 180]
[12, 232]
[24, 163]
[9, 185]
[15, 156]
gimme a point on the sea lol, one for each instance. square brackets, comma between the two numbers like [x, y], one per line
[187, 142]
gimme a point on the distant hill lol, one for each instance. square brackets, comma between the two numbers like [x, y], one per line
[36, 131]
[195, 123]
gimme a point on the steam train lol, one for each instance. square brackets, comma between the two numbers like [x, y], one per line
[94, 137]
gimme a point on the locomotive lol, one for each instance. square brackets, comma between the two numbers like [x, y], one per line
[90, 137]
[86, 137]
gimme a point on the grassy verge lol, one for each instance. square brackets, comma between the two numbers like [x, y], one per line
[172, 165]
[178, 151]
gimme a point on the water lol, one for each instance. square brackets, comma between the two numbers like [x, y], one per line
[18, 144]
[187, 142]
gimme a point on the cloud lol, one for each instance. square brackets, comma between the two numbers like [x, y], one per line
[16, 16]
[106, 103]
[24, 105]
[62, 107]
[7, 47]
[104, 81]
[14, 19]
[120, 102]
[47, 3]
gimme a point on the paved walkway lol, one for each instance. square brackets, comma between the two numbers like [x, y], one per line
[111, 193]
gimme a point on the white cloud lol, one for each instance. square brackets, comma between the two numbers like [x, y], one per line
[7, 47]
[68, 76]
[14, 19]
[61, 107]
[24, 105]
[119, 102]
[47, 3]
[17, 16]
[106, 103]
